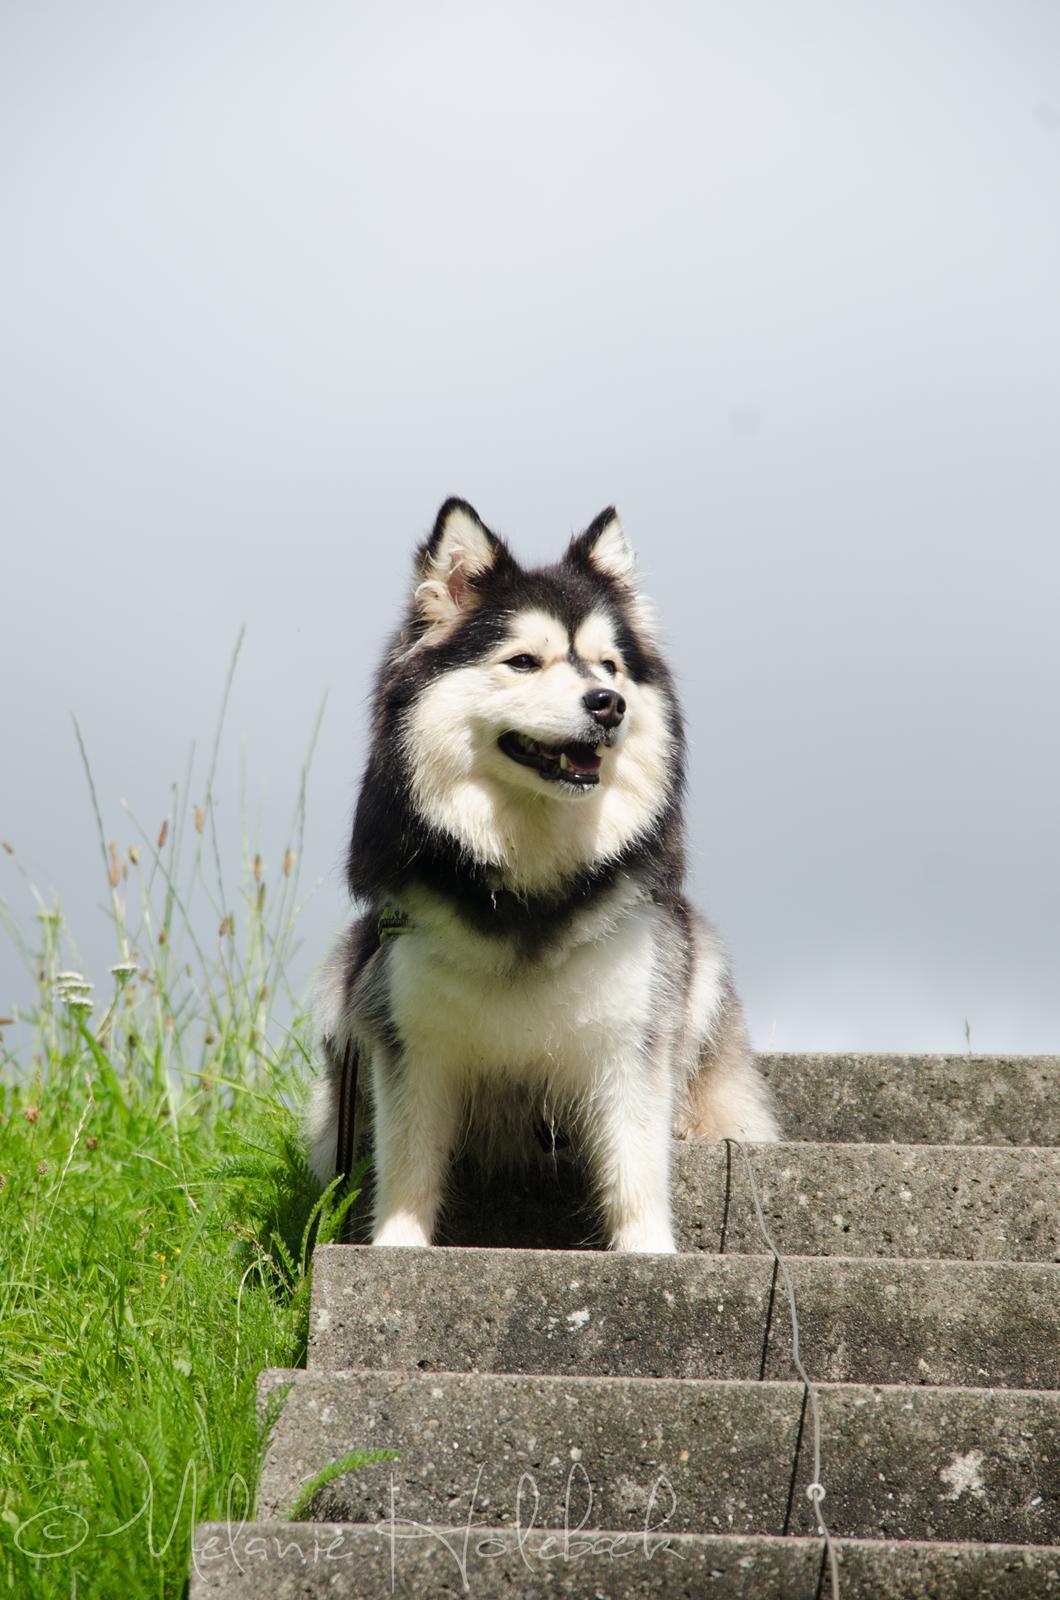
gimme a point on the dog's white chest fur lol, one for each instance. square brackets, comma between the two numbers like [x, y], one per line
[461, 1007]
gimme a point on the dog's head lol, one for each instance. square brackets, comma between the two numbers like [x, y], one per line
[531, 696]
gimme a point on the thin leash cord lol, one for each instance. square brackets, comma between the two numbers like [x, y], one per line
[814, 1490]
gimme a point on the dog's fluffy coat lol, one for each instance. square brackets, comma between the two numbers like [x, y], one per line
[521, 815]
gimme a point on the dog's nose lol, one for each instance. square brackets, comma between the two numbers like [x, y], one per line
[606, 705]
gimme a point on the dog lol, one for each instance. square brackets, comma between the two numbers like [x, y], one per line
[526, 951]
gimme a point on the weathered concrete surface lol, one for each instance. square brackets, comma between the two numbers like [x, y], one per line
[901, 1462]
[329, 1561]
[693, 1316]
[986, 1324]
[952, 1201]
[936, 1463]
[945, 1571]
[588, 1313]
[917, 1099]
[612, 1444]
[964, 1202]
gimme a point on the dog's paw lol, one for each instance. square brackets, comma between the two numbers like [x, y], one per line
[645, 1238]
[401, 1228]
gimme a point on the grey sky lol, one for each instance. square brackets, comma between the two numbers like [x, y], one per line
[779, 280]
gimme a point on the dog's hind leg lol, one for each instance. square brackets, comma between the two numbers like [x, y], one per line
[330, 1110]
[727, 1097]
[321, 1117]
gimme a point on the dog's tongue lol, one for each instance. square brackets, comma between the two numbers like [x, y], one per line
[582, 757]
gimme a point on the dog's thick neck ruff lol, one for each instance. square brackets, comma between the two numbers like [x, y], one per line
[527, 745]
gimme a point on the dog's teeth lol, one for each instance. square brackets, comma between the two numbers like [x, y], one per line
[599, 752]
[563, 762]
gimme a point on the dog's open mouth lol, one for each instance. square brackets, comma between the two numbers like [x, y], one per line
[578, 764]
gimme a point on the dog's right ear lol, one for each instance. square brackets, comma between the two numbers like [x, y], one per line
[451, 565]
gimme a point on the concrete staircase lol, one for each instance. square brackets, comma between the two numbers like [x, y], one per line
[573, 1423]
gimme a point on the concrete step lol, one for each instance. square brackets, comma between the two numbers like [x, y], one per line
[917, 1099]
[596, 1314]
[707, 1456]
[347, 1561]
[957, 1201]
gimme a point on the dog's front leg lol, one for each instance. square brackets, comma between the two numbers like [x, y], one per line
[629, 1137]
[416, 1116]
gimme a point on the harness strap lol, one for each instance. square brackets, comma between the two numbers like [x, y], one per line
[392, 922]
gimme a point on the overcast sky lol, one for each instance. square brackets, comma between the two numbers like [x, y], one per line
[781, 281]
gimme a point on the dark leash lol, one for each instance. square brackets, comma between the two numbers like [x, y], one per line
[344, 1146]
[391, 923]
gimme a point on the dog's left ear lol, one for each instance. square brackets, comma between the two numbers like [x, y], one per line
[451, 565]
[604, 547]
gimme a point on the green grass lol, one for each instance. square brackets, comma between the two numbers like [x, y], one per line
[156, 1214]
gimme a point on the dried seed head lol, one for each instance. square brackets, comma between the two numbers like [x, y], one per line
[257, 869]
[134, 855]
[7, 1022]
[161, 935]
[163, 833]
[42, 1167]
[114, 873]
[9, 849]
[92, 1141]
[261, 897]
[31, 1113]
[288, 862]
[200, 819]
[226, 927]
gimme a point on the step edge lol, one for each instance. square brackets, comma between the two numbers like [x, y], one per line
[340, 1252]
[718, 1540]
[306, 1377]
[917, 1146]
[949, 1058]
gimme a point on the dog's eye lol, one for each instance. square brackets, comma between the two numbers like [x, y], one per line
[523, 663]
[610, 666]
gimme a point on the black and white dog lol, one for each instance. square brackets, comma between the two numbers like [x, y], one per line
[526, 949]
